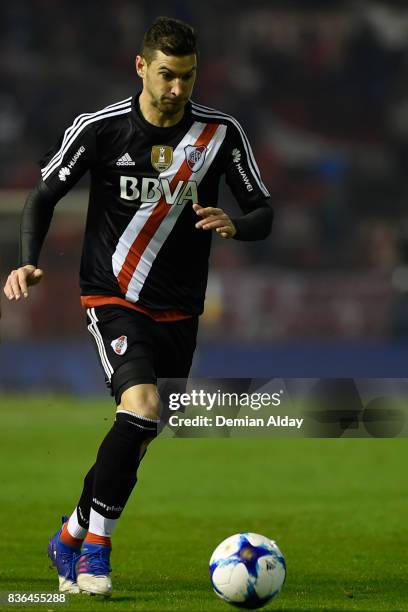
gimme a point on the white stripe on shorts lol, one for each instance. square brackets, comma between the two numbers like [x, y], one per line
[93, 329]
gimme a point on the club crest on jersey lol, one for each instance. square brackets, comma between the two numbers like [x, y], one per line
[195, 156]
[161, 157]
[119, 345]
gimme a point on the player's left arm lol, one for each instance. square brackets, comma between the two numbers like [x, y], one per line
[244, 179]
[216, 219]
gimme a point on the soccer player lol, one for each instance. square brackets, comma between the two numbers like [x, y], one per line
[155, 160]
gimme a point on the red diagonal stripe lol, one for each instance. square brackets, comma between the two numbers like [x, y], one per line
[159, 212]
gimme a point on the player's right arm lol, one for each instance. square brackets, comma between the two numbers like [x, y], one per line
[61, 168]
[19, 280]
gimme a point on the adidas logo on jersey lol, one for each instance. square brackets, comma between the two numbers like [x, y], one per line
[125, 160]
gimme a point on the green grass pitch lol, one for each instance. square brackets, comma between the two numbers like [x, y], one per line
[337, 509]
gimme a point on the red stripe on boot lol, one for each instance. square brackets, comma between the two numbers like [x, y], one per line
[66, 538]
[93, 538]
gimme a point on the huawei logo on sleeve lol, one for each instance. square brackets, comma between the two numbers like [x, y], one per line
[63, 173]
[236, 156]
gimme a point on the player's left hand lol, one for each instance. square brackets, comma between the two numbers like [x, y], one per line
[215, 218]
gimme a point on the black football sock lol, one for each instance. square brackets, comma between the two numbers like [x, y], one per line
[84, 505]
[114, 473]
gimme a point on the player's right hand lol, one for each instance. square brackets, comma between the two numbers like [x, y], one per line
[19, 280]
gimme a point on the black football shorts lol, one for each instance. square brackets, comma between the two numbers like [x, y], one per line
[134, 349]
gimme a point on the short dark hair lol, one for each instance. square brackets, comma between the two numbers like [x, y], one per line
[170, 36]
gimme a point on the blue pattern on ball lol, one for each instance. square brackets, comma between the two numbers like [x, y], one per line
[249, 554]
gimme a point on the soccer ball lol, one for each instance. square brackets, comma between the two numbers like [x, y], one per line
[247, 570]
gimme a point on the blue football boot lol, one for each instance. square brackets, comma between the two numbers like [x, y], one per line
[64, 558]
[93, 569]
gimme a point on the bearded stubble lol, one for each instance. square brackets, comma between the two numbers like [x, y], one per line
[166, 108]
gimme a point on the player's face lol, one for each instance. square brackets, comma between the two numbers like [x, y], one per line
[169, 80]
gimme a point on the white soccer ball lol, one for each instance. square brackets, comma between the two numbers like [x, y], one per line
[247, 570]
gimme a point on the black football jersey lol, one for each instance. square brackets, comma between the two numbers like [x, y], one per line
[140, 242]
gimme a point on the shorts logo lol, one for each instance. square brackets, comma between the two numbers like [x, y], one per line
[119, 345]
[195, 156]
[161, 157]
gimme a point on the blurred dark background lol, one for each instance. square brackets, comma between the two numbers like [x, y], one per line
[321, 89]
